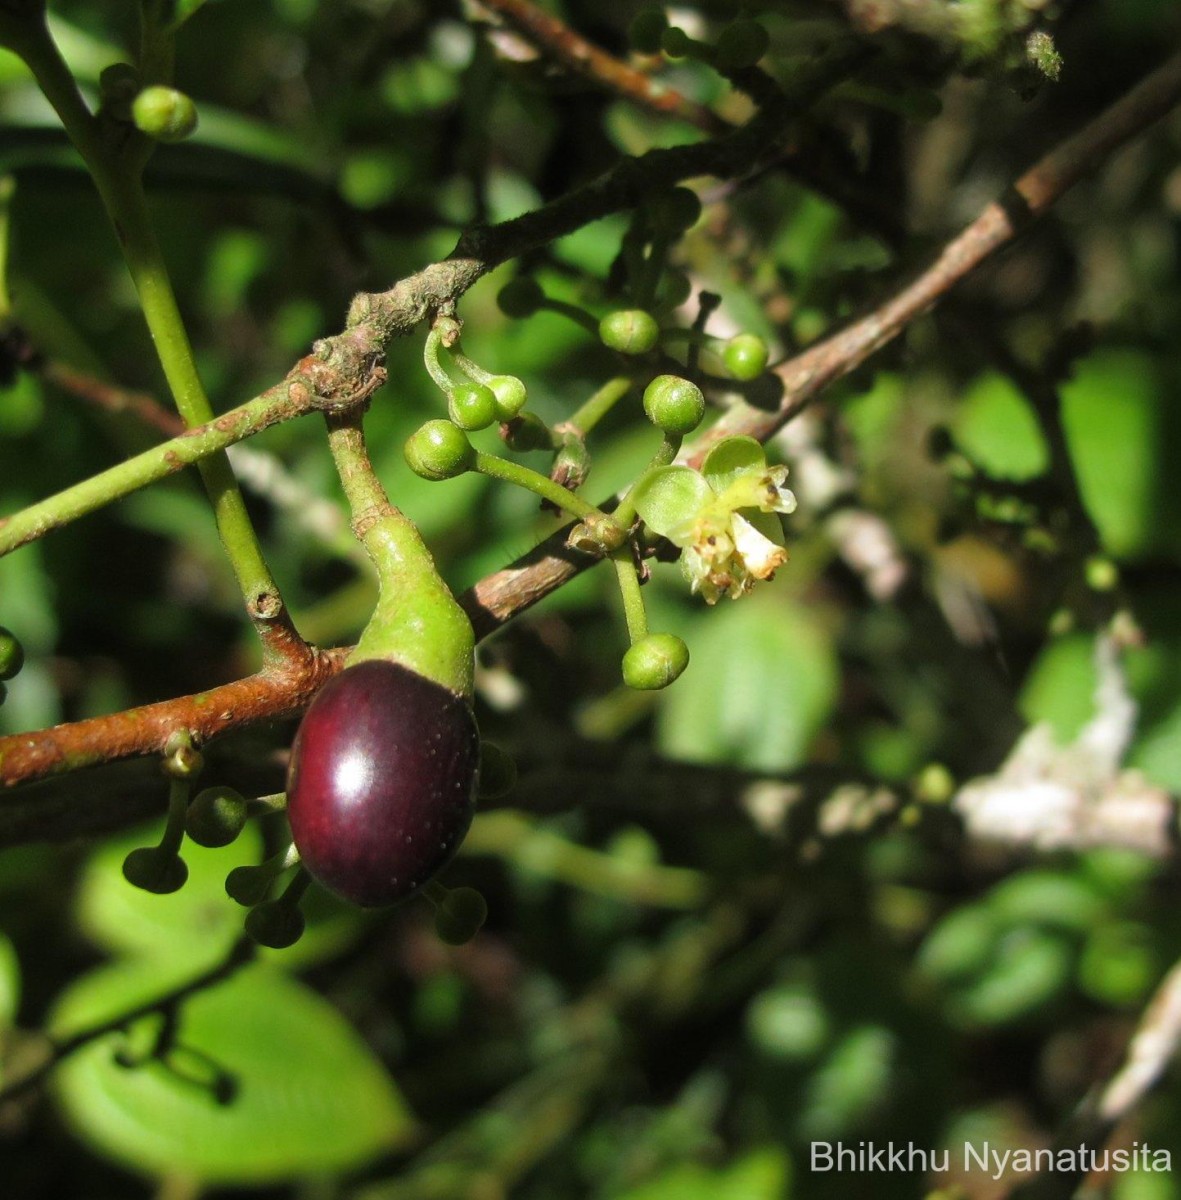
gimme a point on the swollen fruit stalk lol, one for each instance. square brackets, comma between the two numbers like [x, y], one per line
[383, 774]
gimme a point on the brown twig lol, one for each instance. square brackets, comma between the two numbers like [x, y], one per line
[271, 694]
[806, 375]
[573, 51]
[375, 318]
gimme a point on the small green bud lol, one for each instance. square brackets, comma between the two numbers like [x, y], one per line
[527, 432]
[472, 406]
[598, 534]
[647, 28]
[164, 113]
[520, 297]
[1102, 574]
[674, 405]
[510, 395]
[674, 288]
[460, 916]
[155, 870]
[12, 654]
[676, 43]
[745, 356]
[439, 450]
[216, 816]
[674, 211]
[248, 886]
[276, 923]
[935, 784]
[741, 44]
[630, 331]
[654, 662]
[498, 772]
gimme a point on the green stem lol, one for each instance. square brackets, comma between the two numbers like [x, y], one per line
[633, 595]
[597, 406]
[7, 190]
[178, 803]
[545, 853]
[578, 315]
[435, 369]
[511, 472]
[416, 620]
[116, 173]
[166, 459]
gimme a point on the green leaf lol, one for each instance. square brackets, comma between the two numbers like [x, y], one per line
[1060, 687]
[766, 683]
[997, 429]
[9, 983]
[761, 1174]
[197, 924]
[669, 496]
[309, 1095]
[1048, 899]
[1112, 411]
[730, 459]
[181, 11]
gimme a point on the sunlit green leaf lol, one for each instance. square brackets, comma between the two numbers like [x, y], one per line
[764, 682]
[997, 429]
[1112, 412]
[308, 1095]
[198, 923]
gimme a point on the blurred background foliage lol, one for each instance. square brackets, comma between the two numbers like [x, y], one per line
[672, 997]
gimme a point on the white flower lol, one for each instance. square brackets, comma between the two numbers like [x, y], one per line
[724, 553]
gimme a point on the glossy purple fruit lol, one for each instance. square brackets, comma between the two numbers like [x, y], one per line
[382, 782]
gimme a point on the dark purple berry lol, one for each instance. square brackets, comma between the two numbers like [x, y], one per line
[382, 782]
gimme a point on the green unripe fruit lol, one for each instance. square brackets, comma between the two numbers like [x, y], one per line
[12, 654]
[674, 211]
[471, 406]
[647, 29]
[164, 113]
[674, 405]
[527, 432]
[654, 662]
[674, 288]
[155, 870]
[276, 924]
[676, 43]
[248, 886]
[439, 450]
[460, 916]
[741, 44]
[510, 395]
[498, 772]
[630, 331]
[3, 693]
[745, 356]
[216, 816]
[521, 297]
